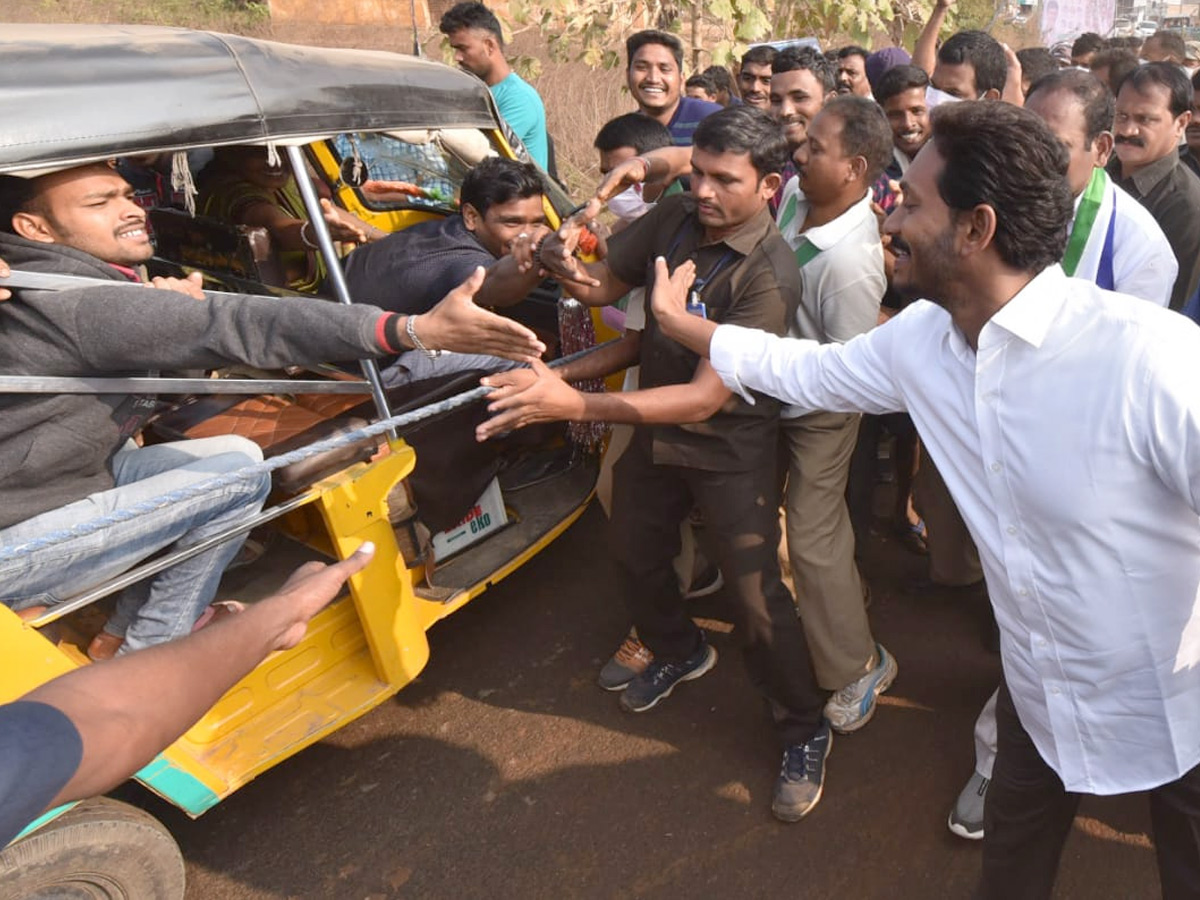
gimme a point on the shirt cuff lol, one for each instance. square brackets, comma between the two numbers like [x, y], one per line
[729, 346]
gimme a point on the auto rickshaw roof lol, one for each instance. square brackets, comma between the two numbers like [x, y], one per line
[71, 94]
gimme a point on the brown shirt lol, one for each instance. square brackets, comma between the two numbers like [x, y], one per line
[750, 279]
[1171, 192]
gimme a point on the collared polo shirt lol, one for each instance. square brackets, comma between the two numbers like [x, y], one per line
[1172, 194]
[690, 112]
[752, 280]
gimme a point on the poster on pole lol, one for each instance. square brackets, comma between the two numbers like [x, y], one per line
[1066, 19]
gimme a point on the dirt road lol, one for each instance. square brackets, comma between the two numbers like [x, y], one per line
[504, 772]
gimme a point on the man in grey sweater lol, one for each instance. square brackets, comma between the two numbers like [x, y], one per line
[66, 459]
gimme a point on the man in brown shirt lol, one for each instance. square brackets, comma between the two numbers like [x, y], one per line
[694, 440]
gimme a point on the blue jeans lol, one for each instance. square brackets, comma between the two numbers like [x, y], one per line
[165, 606]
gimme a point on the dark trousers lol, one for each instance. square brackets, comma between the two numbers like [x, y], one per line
[1028, 814]
[741, 514]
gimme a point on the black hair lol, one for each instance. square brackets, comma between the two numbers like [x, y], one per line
[636, 42]
[744, 129]
[899, 79]
[721, 78]
[1036, 63]
[761, 55]
[1196, 80]
[635, 130]
[1163, 74]
[865, 132]
[854, 50]
[795, 59]
[17, 195]
[1088, 42]
[982, 52]
[1005, 157]
[464, 16]
[1119, 63]
[1171, 42]
[1091, 93]
[702, 80]
[499, 180]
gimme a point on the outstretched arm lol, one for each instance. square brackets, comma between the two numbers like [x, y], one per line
[925, 50]
[130, 708]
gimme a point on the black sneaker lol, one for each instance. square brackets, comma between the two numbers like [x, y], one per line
[660, 678]
[802, 777]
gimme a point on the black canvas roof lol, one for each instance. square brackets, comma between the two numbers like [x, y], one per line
[74, 93]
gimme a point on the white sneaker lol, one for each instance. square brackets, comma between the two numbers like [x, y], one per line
[853, 706]
[966, 819]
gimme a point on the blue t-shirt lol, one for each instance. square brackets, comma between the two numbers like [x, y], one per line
[522, 109]
[688, 114]
[40, 749]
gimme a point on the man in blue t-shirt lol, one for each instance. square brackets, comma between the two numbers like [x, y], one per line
[655, 79]
[474, 33]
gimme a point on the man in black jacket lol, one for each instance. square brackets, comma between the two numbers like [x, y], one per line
[66, 459]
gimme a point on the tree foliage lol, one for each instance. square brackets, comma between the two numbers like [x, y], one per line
[592, 30]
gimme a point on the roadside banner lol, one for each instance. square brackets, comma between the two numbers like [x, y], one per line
[1066, 19]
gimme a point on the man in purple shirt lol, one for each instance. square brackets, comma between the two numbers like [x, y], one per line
[655, 79]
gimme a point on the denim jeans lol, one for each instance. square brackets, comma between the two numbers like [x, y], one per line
[165, 606]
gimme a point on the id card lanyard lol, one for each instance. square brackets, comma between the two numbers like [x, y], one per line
[695, 302]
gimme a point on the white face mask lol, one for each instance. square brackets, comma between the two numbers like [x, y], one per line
[935, 98]
[629, 205]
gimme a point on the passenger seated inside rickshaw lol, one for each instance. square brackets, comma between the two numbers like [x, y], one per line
[245, 185]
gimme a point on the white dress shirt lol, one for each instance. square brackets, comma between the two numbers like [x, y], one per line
[1144, 264]
[1071, 444]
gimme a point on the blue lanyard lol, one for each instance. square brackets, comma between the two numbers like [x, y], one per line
[700, 283]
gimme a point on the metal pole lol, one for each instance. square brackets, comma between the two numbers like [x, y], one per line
[334, 267]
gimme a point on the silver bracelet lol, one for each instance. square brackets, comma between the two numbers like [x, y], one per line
[305, 241]
[411, 330]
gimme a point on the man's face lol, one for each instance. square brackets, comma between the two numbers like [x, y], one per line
[1063, 114]
[955, 79]
[821, 162]
[909, 117]
[473, 49]
[253, 164]
[91, 209]
[610, 159]
[654, 78]
[1153, 51]
[499, 226]
[1102, 73]
[1144, 129]
[754, 81]
[1083, 60]
[727, 189]
[922, 230]
[796, 98]
[852, 76]
[1193, 128]
[699, 92]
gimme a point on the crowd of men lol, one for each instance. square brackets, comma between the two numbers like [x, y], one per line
[984, 254]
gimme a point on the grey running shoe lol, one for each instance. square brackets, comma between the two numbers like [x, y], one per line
[802, 776]
[853, 706]
[966, 819]
[630, 660]
[707, 582]
[660, 678]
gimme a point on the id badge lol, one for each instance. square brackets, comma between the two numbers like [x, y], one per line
[695, 306]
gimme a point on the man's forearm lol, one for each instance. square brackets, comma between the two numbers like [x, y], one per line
[677, 404]
[506, 284]
[925, 50]
[608, 358]
[692, 332]
[610, 290]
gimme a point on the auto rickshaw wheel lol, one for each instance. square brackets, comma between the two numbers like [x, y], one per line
[100, 850]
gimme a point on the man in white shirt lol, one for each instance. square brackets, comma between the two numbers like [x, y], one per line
[1114, 243]
[1066, 423]
[825, 216]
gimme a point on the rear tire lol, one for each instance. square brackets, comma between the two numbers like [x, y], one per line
[100, 850]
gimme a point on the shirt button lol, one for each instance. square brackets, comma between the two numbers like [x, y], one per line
[1023, 592]
[996, 467]
[1055, 691]
[1042, 643]
[1011, 529]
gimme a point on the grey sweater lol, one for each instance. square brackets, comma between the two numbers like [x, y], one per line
[56, 449]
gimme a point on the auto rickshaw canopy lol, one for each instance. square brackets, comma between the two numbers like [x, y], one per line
[71, 94]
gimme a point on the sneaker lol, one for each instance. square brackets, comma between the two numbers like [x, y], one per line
[802, 777]
[853, 706]
[630, 660]
[966, 819]
[660, 678]
[707, 582]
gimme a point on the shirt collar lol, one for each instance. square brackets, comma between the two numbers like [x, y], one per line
[825, 236]
[746, 238]
[1029, 313]
[1145, 178]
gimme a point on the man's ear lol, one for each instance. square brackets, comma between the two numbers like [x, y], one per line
[471, 217]
[33, 227]
[990, 94]
[770, 184]
[977, 229]
[858, 168]
[1102, 149]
